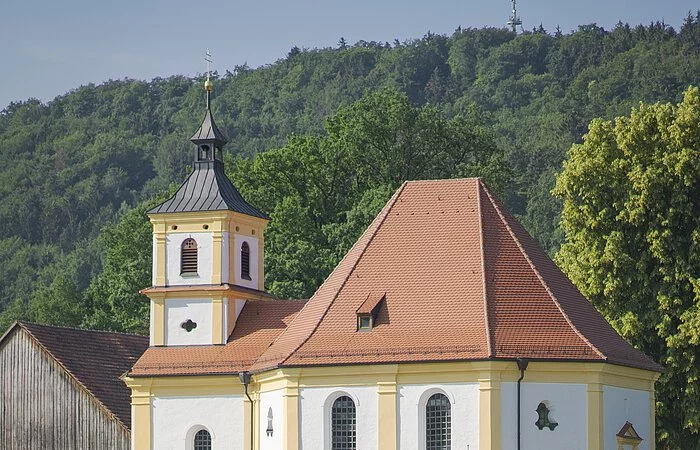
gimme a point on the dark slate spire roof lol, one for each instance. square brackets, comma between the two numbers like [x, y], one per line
[207, 189]
[208, 131]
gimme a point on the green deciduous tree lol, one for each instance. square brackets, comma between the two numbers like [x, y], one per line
[631, 215]
[113, 296]
[322, 191]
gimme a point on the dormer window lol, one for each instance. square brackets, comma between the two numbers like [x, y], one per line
[188, 257]
[245, 261]
[367, 312]
[364, 322]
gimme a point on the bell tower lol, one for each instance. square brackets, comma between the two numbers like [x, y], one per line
[208, 246]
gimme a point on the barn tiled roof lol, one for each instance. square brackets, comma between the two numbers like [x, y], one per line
[258, 325]
[95, 359]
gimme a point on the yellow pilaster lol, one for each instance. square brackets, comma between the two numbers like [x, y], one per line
[247, 424]
[387, 430]
[141, 420]
[158, 321]
[217, 320]
[291, 412]
[256, 420]
[489, 412]
[216, 257]
[652, 417]
[261, 253]
[595, 416]
[160, 254]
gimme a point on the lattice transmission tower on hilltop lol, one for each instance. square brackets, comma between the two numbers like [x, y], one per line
[514, 20]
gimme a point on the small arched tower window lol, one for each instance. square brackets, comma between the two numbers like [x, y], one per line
[343, 433]
[202, 440]
[438, 423]
[188, 257]
[245, 261]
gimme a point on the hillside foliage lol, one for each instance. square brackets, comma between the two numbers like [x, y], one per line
[319, 140]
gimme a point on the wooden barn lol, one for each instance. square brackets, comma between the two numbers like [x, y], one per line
[60, 387]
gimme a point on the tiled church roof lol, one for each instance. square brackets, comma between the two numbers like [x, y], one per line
[460, 279]
[258, 325]
[95, 359]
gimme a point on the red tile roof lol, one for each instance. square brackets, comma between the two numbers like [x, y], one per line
[258, 325]
[461, 279]
[95, 359]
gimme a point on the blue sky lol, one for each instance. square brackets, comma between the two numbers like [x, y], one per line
[49, 47]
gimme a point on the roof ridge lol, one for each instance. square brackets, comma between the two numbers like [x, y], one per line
[71, 375]
[487, 321]
[24, 323]
[433, 180]
[387, 208]
[539, 276]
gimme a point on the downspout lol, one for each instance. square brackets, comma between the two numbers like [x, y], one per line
[522, 366]
[245, 380]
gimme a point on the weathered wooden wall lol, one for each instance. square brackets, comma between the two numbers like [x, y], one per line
[41, 407]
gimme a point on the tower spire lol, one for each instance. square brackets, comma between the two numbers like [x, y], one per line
[209, 139]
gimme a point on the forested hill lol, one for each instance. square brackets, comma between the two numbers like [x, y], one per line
[71, 167]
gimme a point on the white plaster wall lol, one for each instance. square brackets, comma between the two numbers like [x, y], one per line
[225, 252]
[315, 417]
[174, 417]
[178, 311]
[568, 404]
[239, 307]
[272, 400]
[622, 405]
[152, 322]
[464, 398]
[253, 244]
[205, 243]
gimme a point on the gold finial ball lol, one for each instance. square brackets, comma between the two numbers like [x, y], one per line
[208, 86]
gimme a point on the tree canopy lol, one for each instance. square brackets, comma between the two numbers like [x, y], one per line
[631, 215]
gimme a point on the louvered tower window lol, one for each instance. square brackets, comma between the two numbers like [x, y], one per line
[188, 257]
[202, 440]
[438, 423]
[245, 261]
[343, 435]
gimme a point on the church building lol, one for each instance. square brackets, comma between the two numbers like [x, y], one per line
[445, 326]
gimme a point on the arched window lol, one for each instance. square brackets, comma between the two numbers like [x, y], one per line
[202, 440]
[245, 261]
[343, 435]
[438, 423]
[188, 257]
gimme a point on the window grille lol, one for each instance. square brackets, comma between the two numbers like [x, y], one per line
[245, 261]
[202, 440]
[343, 435]
[438, 423]
[188, 256]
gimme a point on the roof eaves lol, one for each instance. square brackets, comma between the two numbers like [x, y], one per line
[539, 276]
[487, 322]
[73, 377]
[387, 209]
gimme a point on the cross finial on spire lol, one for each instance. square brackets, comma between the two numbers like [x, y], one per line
[207, 58]
[208, 85]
